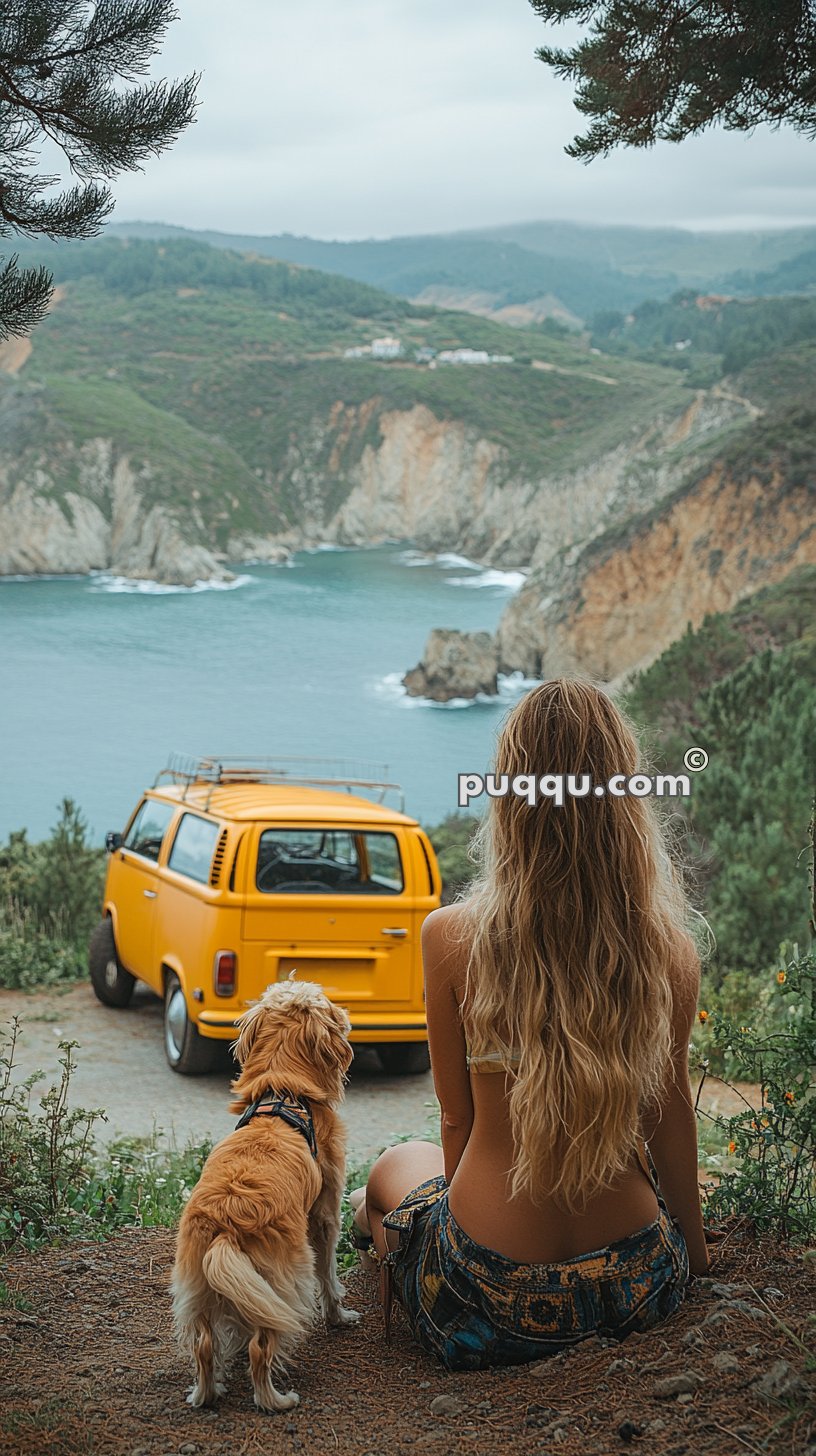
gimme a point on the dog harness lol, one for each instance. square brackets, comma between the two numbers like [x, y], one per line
[294, 1111]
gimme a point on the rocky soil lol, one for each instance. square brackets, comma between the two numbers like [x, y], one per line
[89, 1366]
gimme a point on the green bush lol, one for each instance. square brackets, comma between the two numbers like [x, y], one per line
[767, 1166]
[54, 1182]
[49, 903]
[451, 841]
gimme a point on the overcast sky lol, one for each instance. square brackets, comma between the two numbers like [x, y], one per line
[369, 118]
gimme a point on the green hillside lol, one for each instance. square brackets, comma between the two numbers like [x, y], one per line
[743, 687]
[185, 351]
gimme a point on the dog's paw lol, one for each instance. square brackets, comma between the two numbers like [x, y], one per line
[278, 1402]
[342, 1316]
[198, 1397]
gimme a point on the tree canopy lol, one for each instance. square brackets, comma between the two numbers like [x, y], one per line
[62, 65]
[650, 70]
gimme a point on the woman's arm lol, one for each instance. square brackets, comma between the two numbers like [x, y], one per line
[442, 960]
[672, 1132]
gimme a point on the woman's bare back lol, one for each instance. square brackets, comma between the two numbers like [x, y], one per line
[479, 1197]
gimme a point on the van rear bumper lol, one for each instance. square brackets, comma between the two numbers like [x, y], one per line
[366, 1027]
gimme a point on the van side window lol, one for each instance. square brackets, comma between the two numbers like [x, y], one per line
[193, 847]
[148, 829]
[328, 862]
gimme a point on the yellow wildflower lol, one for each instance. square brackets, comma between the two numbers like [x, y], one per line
[732, 1147]
[781, 977]
[789, 1098]
[702, 1017]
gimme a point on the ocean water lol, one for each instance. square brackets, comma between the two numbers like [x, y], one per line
[102, 678]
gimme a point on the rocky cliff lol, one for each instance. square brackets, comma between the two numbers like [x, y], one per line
[358, 476]
[617, 603]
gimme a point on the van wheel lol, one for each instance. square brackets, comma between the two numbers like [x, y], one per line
[112, 984]
[186, 1051]
[402, 1058]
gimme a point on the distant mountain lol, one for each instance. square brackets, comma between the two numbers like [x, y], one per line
[792, 275]
[525, 273]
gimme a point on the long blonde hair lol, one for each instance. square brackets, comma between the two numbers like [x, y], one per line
[577, 931]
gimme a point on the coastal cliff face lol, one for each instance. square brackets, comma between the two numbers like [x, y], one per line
[102, 525]
[443, 486]
[616, 605]
[359, 477]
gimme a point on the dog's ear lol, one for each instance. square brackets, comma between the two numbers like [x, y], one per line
[326, 1040]
[247, 1032]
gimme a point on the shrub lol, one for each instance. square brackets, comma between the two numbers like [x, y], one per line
[55, 1183]
[451, 842]
[49, 903]
[771, 1176]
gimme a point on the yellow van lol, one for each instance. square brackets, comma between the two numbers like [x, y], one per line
[230, 876]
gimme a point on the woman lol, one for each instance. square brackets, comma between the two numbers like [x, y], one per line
[560, 998]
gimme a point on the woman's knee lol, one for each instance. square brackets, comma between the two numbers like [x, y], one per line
[398, 1170]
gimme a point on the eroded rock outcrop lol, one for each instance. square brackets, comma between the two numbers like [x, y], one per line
[613, 606]
[455, 665]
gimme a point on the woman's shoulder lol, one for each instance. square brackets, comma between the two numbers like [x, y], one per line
[445, 941]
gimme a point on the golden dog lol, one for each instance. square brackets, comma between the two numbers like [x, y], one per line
[255, 1255]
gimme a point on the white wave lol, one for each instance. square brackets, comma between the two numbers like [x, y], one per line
[113, 585]
[415, 558]
[511, 685]
[323, 546]
[491, 576]
[450, 558]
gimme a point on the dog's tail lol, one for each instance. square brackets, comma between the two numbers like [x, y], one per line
[232, 1274]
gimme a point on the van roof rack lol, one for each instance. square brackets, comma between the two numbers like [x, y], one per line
[335, 773]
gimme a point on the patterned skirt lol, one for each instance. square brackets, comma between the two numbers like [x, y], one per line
[472, 1307]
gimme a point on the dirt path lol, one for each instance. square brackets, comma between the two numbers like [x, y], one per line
[121, 1067]
[90, 1369]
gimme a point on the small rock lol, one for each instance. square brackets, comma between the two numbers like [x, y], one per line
[618, 1365]
[290, 1428]
[542, 1415]
[754, 1310]
[424, 1385]
[779, 1382]
[484, 1407]
[188, 1449]
[559, 1435]
[671, 1385]
[627, 1430]
[753, 1351]
[722, 1290]
[693, 1337]
[685, 1397]
[657, 1425]
[717, 1317]
[726, 1362]
[447, 1405]
[771, 1293]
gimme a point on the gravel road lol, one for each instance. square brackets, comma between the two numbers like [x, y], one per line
[121, 1067]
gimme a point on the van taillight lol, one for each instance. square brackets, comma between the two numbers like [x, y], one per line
[226, 969]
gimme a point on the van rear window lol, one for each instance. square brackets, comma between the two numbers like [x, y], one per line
[193, 847]
[328, 862]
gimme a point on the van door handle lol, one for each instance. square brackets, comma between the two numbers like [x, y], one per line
[398, 931]
[149, 894]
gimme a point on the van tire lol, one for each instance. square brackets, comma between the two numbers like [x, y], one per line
[404, 1058]
[188, 1053]
[112, 984]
